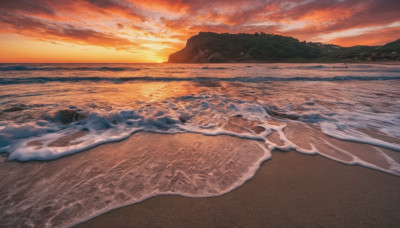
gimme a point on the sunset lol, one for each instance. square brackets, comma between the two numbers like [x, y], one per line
[199, 113]
[126, 31]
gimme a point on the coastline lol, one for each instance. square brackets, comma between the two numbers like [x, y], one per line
[62, 192]
[244, 118]
[291, 189]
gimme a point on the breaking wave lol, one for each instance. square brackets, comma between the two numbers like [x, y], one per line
[30, 80]
[206, 114]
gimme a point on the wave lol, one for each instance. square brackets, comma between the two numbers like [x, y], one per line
[351, 68]
[330, 67]
[27, 68]
[76, 129]
[205, 114]
[354, 68]
[30, 80]
[215, 68]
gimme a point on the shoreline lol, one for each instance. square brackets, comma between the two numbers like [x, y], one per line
[234, 121]
[332, 193]
[290, 189]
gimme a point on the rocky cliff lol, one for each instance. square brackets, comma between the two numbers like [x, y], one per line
[199, 49]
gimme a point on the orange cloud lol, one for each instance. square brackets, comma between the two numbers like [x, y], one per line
[161, 26]
[372, 38]
[44, 30]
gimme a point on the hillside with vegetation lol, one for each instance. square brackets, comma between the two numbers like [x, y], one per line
[207, 47]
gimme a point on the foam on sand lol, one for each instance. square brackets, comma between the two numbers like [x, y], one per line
[205, 114]
[140, 167]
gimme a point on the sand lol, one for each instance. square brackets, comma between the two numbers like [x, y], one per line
[64, 191]
[291, 189]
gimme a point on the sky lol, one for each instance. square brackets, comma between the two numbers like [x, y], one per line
[124, 31]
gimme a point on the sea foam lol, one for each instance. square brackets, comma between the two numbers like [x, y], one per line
[204, 113]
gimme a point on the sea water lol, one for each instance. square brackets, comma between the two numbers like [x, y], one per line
[349, 113]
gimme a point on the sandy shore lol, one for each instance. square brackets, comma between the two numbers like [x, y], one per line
[291, 189]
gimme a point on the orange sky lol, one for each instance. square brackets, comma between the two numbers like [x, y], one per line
[149, 30]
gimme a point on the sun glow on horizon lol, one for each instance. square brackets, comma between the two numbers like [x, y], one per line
[34, 51]
[128, 31]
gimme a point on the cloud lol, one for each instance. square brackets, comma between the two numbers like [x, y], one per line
[117, 6]
[130, 24]
[332, 16]
[27, 6]
[45, 30]
[371, 38]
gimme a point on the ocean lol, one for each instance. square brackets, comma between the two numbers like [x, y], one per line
[49, 113]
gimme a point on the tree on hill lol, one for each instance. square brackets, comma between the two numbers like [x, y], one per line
[225, 47]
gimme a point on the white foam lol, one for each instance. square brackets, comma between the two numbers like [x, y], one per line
[205, 114]
[117, 125]
[393, 169]
[108, 183]
[343, 133]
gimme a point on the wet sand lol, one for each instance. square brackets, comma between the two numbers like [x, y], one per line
[291, 189]
[64, 191]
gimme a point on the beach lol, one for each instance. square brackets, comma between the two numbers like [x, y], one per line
[280, 144]
[199, 113]
[290, 190]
